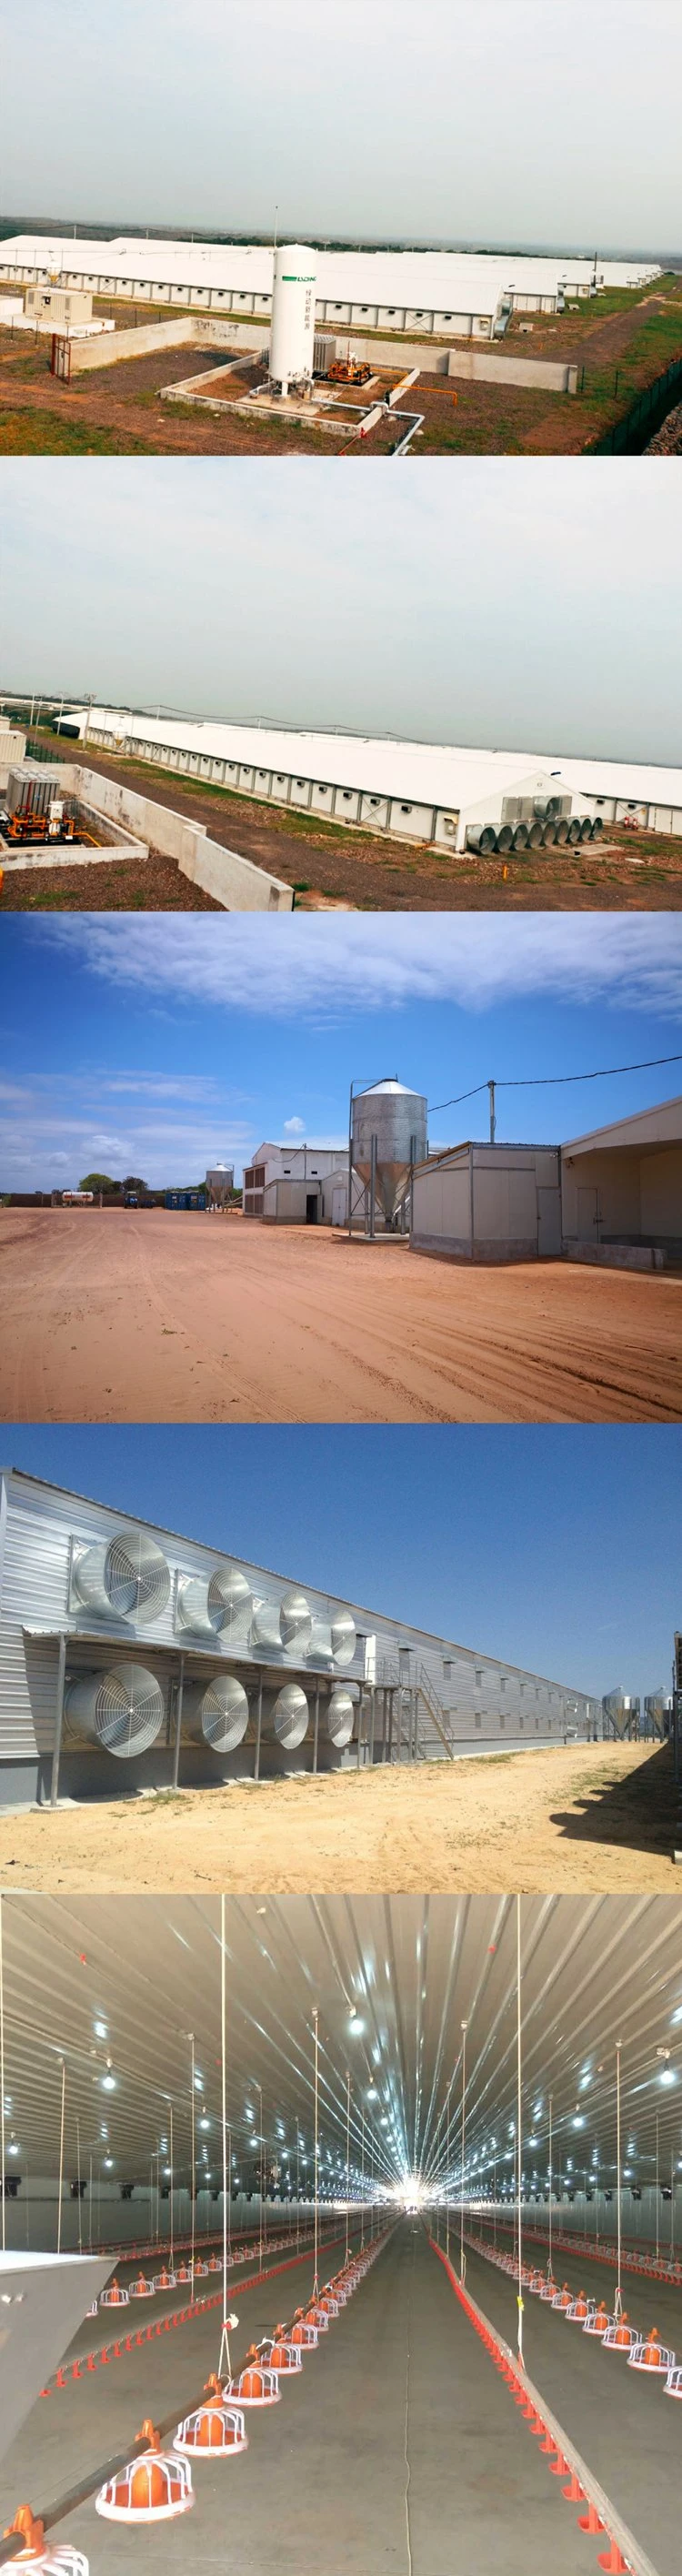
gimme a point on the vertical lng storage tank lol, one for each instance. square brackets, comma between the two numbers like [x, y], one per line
[388, 1136]
[292, 330]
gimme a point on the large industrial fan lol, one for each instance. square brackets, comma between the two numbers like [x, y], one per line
[217, 1712]
[121, 1711]
[216, 1604]
[128, 1574]
[340, 1719]
[333, 1641]
[290, 1717]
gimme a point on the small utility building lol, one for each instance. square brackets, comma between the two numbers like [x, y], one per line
[297, 1184]
[488, 1203]
[622, 1190]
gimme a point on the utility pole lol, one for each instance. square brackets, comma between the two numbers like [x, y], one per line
[493, 1121]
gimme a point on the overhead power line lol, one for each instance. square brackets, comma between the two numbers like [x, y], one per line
[541, 1081]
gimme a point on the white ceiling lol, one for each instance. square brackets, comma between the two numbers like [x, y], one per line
[594, 1970]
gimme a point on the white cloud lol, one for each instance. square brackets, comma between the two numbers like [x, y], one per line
[294, 1127]
[323, 968]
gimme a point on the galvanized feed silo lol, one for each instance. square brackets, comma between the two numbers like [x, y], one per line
[396, 1119]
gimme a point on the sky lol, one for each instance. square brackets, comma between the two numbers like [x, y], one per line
[530, 606]
[538, 1546]
[513, 122]
[158, 1044]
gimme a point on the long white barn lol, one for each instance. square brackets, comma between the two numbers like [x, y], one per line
[416, 790]
[458, 294]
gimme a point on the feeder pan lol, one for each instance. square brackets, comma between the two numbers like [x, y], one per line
[153, 2488]
[580, 2309]
[115, 2297]
[673, 2385]
[621, 2337]
[200, 2271]
[141, 2289]
[302, 2333]
[92, 2312]
[649, 2354]
[329, 2304]
[215, 2264]
[597, 2323]
[535, 2282]
[183, 2272]
[562, 2298]
[216, 2430]
[60, 2561]
[279, 2354]
[165, 2281]
[548, 2291]
[317, 2317]
[256, 2385]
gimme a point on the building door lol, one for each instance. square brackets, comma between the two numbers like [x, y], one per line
[339, 1204]
[311, 1207]
[549, 1224]
[588, 1216]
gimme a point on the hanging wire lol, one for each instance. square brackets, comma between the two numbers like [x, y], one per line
[172, 2177]
[2, 2078]
[316, 2018]
[547, 1081]
[518, 2128]
[347, 2162]
[224, 2338]
[78, 2177]
[549, 2261]
[618, 2298]
[193, 2161]
[61, 2162]
[462, 2138]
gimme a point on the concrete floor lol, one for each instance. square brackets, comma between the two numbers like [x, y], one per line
[397, 2452]
[628, 2431]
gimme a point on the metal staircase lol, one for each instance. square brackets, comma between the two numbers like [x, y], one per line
[418, 1712]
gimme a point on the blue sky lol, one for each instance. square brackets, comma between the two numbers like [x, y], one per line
[156, 1043]
[513, 121]
[525, 606]
[535, 1544]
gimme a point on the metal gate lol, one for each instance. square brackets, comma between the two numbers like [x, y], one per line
[60, 358]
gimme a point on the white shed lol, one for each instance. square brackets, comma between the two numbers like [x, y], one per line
[488, 1203]
[622, 1190]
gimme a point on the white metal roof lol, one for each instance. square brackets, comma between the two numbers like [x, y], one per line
[659, 1126]
[429, 281]
[438, 774]
[426, 773]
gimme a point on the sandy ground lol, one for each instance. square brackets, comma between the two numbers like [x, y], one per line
[139, 1315]
[589, 1817]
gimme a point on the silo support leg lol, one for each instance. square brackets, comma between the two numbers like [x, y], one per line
[178, 1723]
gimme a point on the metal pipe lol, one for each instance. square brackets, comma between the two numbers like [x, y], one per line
[372, 1187]
[316, 1734]
[178, 1722]
[58, 1721]
[259, 1722]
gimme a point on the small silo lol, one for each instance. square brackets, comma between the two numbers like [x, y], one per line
[389, 1135]
[292, 330]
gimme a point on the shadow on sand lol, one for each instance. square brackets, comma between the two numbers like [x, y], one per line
[636, 1812]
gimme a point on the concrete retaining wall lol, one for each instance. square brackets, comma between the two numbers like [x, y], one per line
[233, 880]
[479, 366]
[185, 331]
[617, 1256]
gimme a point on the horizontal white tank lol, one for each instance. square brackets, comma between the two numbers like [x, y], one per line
[292, 329]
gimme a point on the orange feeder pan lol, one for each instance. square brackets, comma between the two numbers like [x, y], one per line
[279, 2354]
[317, 2317]
[256, 2385]
[60, 2561]
[598, 2322]
[165, 2281]
[650, 2354]
[302, 2333]
[620, 2337]
[152, 2489]
[141, 2289]
[562, 2298]
[214, 2431]
[579, 2309]
[114, 2297]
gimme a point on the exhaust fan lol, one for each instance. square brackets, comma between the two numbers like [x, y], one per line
[333, 1643]
[295, 1623]
[121, 1711]
[128, 1575]
[217, 1712]
[340, 1718]
[290, 1717]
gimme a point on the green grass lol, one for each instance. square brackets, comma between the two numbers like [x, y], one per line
[46, 433]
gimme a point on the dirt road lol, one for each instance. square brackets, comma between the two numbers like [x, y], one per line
[583, 1817]
[136, 1316]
